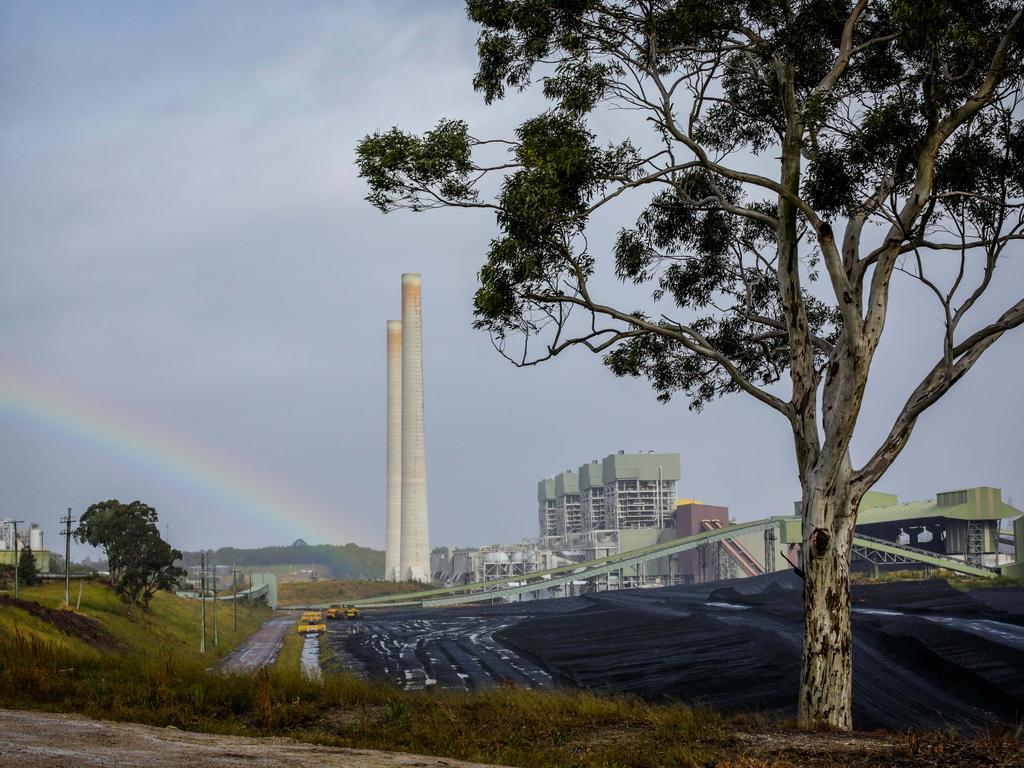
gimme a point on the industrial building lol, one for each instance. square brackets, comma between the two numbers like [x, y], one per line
[627, 503]
[962, 524]
[407, 552]
[12, 541]
[625, 490]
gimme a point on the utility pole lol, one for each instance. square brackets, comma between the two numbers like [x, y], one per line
[234, 597]
[17, 555]
[202, 599]
[67, 521]
[216, 610]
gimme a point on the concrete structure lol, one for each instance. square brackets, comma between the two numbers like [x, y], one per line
[414, 546]
[640, 489]
[567, 499]
[591, 484]
[624, 491]
[547, 509]
[393, 547]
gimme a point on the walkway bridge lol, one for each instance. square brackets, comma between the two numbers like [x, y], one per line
[864, 547]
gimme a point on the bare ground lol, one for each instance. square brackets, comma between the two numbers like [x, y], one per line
[32, 739]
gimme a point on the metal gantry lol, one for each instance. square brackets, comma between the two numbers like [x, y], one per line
[562, 576]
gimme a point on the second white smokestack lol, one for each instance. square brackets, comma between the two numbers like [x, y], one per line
[415, 549]
[393, 549]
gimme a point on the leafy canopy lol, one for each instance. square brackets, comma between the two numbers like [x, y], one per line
[140, 561]
[775, 142]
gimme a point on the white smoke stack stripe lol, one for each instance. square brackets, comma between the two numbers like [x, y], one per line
[393, 550]
[415, 549]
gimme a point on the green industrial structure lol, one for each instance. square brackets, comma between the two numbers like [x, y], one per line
[787, 530]
[962, 524]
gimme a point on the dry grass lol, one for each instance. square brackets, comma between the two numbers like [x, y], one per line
[339, 590]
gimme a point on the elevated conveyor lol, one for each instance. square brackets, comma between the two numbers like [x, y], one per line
[874, 550]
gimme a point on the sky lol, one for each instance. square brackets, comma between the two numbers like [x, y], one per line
[193, 295]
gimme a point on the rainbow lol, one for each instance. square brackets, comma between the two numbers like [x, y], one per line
[38, 401]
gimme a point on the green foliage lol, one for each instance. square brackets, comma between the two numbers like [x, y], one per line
[28, 574]
[140, 561]
[711, 81]
[417, 172]
[347, 561]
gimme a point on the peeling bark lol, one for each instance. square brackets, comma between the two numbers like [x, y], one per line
[826, 675]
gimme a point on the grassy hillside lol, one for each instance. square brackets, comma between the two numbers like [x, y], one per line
[339, 590]
[172, 623]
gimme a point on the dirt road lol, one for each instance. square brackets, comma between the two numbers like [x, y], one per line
[262, 646]
[32, 739]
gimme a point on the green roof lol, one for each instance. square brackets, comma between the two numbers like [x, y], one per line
[932, 508]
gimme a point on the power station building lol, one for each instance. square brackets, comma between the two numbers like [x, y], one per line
[31, 538]
[624, 491]
[407, 551]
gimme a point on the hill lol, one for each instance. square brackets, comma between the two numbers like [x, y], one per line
[101, 625]
[344, 561]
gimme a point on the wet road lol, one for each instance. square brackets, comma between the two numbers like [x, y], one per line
[419, 650]
[261, 647]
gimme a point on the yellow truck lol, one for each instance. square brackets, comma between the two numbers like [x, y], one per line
[312, 616]
[334, 612]
[351, 612]
[311, 629]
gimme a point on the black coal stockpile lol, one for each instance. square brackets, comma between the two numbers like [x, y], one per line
[925, 655]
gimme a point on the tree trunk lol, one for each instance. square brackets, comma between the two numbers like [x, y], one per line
[826, 677]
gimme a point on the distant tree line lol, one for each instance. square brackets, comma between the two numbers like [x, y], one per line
[345, 561]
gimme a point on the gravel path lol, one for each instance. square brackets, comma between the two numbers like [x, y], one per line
[33, 739]
[261, 648]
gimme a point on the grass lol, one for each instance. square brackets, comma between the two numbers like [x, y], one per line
[160, 679]
[171, 623]
[955, 580]
[289, 658]
[339, 590]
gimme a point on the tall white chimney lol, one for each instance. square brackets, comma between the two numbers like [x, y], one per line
[415, 549]
[393, 549]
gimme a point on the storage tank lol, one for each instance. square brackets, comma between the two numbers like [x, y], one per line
[35, 538]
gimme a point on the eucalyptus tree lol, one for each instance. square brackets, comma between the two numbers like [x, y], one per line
[771, 141]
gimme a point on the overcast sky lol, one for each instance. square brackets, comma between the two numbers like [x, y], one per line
[193, 295]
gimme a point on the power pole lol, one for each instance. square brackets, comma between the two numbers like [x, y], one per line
[202, 599]
[67, 521]
[234, 597]
[17, 555]
[216, 610]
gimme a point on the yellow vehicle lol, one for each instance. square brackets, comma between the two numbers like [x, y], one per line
[311, 629]
[312, 616]
[334, 612]
[351, 612]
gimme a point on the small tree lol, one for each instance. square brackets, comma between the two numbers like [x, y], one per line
[775, 140]
[140, 561]
[28, 574]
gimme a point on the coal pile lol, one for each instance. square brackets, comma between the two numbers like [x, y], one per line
[926, 656]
